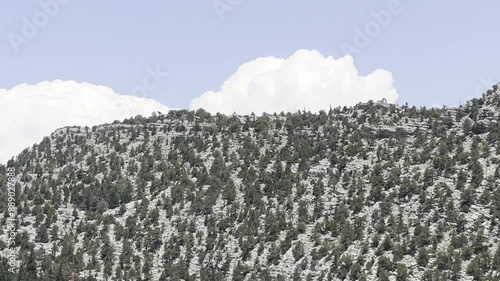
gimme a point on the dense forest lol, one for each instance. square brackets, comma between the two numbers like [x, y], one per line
[376, 191]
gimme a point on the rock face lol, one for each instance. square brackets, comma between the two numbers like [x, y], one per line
[392, 133]
[363, 193]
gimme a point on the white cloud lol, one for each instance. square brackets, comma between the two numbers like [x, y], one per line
[306, 80]
[30, 112]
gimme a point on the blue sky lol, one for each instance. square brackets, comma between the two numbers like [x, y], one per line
[437, 51]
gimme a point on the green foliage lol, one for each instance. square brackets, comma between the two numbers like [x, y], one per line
[371, 190]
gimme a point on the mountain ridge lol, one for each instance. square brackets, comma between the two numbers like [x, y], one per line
[369, 192]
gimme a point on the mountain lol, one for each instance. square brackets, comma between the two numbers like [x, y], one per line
[371, 192]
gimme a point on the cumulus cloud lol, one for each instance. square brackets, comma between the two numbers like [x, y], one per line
[306, 80]
[30, 112]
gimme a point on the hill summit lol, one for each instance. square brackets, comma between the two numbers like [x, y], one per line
[370, 192]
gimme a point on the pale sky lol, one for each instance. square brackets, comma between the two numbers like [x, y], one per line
[436, 50]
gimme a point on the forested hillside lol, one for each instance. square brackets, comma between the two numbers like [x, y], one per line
[370, 192]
